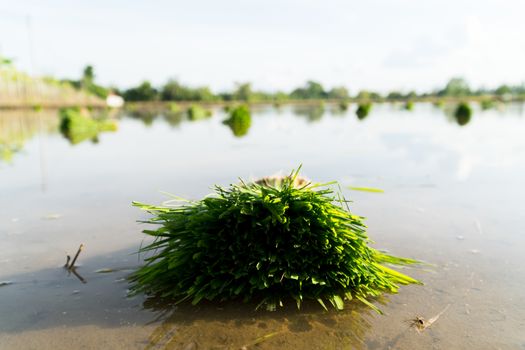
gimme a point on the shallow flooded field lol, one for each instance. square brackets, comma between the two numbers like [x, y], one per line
[453, 197]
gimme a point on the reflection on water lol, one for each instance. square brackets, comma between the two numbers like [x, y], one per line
[17, 127]
[239, 121]
[79, 125]
[312, 113]
[453, 196]
[238, 325]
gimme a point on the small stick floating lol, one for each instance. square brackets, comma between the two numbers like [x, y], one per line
[420, 324]
[68, 258]
[72, 265]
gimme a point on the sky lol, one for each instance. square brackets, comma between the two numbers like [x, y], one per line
[379, 45]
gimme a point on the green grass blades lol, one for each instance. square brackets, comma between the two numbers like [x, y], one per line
[363, 110]
[196, 112]
[77, 125]
[266, 242]
[366, 189]
[239, 120]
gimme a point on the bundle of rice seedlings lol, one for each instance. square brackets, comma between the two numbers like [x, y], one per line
[239, 120]
[463, 113]
[196, 112]
[363, 110]
[487, 103]
[174, 108]
[268, 241]
[77, 125]
[343, 105]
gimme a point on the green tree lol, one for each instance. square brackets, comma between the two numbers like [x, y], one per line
[88, 75]
[143, 92]
[243, 92]
[394, 95]
[87, 82]
[503, 90]
[175, 91]
[312, 90]
[456, 87]
[339, 92]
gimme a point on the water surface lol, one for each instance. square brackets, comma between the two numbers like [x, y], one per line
[453, 197]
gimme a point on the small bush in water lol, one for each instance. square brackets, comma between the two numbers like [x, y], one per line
[463, 113]
[197, 112]
[363, 110]
[77, 125]
[239, 121]
[267, 242]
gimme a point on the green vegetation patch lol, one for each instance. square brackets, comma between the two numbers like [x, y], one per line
[268, 242]
[463, 113]
[363, 110]
[196, 112]
[239, 120]
[78, 126]
[487, 103]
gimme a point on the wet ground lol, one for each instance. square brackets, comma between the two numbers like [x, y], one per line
[453, 197]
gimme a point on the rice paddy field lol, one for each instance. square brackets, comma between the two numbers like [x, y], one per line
[433, 187]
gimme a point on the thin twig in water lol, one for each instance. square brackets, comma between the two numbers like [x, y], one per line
[420, 324]
[76, 257]
[74, 272]
[71, 268]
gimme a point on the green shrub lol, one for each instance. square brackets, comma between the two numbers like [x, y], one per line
[409, 105]
[174, 108]
[267, 242]
[487, 104]
[439, 103]
[196, 112]
[239, 121]
[363, 110]
[463, 113]
[77, 126]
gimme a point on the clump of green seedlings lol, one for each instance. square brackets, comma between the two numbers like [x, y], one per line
[239, 120]
[343, 105]
[439, 103]
[174, 108]
[463, 113]
[196, 112]
[363, 110]
[77, 125]
[270, 241]
[409, 105]
[486, 103]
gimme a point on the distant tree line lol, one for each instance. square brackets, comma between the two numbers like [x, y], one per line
[87, 83]
[174, 90]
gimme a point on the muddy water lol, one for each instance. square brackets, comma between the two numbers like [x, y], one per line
[453, 197]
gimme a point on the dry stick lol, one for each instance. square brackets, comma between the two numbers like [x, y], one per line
[76, 256]
[68, 258]
[420, 324]
[74, 272]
